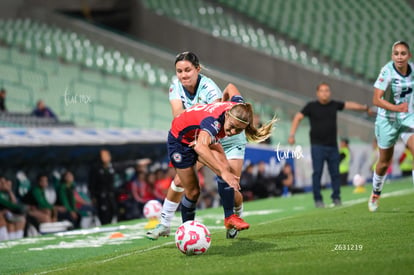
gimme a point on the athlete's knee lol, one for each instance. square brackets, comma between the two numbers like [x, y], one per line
[382, 165]
[176, 187]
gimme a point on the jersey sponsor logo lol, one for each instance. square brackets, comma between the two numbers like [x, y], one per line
[381, 79]
[171, 89]
[177, 157]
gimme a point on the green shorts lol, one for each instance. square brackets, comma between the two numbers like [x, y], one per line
[234, 146]
[388, 131]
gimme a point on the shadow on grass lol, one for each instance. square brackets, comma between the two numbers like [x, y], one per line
[243, 246]
[263, 243]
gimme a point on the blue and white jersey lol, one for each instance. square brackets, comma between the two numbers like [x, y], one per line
[207, 92]
[398, 89]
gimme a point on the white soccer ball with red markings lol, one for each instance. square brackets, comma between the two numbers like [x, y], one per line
[358, 180]
[192, 238]
[152, 209]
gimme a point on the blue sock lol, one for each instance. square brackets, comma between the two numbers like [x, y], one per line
[188, 208]
[285, 191]
[227, 197]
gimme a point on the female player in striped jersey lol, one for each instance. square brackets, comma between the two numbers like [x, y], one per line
[189, 89]
[393, 94]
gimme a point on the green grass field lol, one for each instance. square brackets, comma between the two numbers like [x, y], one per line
[287, 236]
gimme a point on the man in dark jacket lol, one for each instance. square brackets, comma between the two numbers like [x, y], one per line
[102, 188]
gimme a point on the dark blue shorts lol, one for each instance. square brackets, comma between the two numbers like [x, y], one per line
[181, 156]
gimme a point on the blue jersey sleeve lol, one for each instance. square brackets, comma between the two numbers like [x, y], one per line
[211, 125]
[237, 99]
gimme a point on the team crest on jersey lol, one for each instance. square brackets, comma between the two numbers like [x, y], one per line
[217, 125]
[177, 157]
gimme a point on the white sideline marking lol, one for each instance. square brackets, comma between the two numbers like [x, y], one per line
[386, 195]
[111, 259]
[258, 212]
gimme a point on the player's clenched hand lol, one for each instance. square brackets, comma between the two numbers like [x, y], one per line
[403, 107]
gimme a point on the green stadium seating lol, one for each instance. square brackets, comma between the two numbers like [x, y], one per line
[331, 27]
[212, 18]
[42, 61]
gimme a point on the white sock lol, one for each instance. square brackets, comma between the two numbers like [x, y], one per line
[4, 235]
[168, 212]
[378, 182]
[412, 172]
[19, 234]
[12, 235]
[238, 210]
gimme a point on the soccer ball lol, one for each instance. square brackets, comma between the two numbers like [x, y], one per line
[358, 180]
[152, 209]
[192, 238]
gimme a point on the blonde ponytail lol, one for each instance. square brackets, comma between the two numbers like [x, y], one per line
[244, 112]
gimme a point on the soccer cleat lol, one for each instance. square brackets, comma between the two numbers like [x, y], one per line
[337, 202]
[235, 222]
[232, 233]
[319, 204]
[152, 223]
[373, 202]
[158, 231]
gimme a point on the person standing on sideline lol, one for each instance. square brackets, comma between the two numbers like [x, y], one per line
[393, 95]
[322, 114]
[406, 162]
[344, 160]
[102, 188]
[3, 100]
[189, 89]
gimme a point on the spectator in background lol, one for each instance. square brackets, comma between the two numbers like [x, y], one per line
[285, 182]
[247, 182]
[42, 110]
[137, 202]
[102, 188]
[264, 183]
[84, 204]
[12, 213]
[257, 122]
[3, 100]
[164, 178]
[344, 160]
[39, 207]
[406, 162]
[322, 115]
[66, 203]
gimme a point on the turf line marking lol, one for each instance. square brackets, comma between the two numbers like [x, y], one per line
[345, 204]
[135, 252]
[110, 259]
[386, 195]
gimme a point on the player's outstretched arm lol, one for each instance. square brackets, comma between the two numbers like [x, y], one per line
[229, 92]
